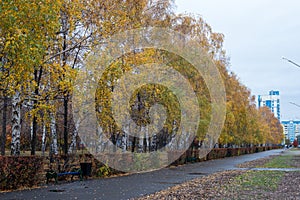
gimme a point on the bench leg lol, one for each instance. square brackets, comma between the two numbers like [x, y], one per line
[55, 177]
[50, 176]
[80, 175]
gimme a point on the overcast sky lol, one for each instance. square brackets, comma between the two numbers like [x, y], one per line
[258, 33]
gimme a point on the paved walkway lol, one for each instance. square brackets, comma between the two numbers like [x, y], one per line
[134, 185]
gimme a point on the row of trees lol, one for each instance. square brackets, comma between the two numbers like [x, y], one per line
[43, 44]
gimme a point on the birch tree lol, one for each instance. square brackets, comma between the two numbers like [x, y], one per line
[23, 47]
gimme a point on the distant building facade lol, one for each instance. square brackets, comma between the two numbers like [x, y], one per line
[272, 101]
[291, 129]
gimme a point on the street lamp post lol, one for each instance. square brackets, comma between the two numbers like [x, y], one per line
[291, 61]
[297, 65]
[294, 104]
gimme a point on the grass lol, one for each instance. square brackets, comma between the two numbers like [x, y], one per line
[266, 181]
[284, 161]
[261, 183]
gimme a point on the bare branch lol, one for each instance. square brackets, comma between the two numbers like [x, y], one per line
[69, 49]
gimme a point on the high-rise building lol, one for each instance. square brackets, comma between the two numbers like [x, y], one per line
[272, 101]
[291, 129]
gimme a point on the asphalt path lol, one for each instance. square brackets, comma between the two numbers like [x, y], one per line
[134, 185]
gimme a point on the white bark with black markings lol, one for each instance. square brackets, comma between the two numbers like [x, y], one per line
[16, 124]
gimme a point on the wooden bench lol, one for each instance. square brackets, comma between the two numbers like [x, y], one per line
[52, 174]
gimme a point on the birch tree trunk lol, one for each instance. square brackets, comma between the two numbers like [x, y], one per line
[100, 143]
[66, 102]
[147, 139]
[141, 140]
[34, 135]
[16, 124]
[124, 142]
[53, 149]
[181, 141]
[72, 147]
[125, 136]
[154, 143]
[31, 130]
[44, 140]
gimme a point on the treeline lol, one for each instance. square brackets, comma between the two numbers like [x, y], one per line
[43, 45]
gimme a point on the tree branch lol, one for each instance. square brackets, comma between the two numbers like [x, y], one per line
[69, 49]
